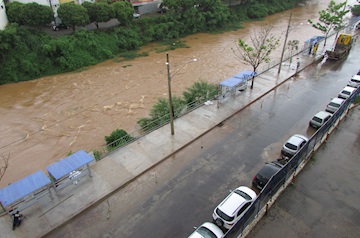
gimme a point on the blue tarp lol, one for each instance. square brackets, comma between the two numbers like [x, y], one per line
[246, 74]
[23, 187]
[65, 166]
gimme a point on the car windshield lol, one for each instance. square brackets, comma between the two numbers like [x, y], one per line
[206, 233]
[355, 81]
[334, 104]
[317, 119]
[223, 215]
[291, 146]
[242, 194]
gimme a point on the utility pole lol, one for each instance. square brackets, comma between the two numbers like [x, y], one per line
[286, 36]
[170, 99]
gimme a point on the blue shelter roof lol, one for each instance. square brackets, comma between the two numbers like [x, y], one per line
[23, 187]
[246, 74]
[231, 82]
[65, 166]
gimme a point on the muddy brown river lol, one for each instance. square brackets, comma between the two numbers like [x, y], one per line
[44, 119]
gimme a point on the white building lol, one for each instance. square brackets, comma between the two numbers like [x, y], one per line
[3, 17]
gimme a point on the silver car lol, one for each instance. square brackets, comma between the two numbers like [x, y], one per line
[354, 81]
[293, 145]
[334, 105]
[320, 119]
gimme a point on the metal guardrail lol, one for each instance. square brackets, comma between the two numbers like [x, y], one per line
[284, 176]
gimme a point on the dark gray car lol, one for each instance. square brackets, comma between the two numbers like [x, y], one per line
[264, 175]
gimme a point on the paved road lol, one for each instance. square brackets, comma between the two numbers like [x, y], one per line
[324, 200]
[182, 192]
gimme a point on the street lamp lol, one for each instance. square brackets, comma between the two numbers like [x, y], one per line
[169, 88]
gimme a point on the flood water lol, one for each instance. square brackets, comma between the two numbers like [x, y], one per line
[44, 119]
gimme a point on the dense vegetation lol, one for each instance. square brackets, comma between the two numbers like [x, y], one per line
[27, 52]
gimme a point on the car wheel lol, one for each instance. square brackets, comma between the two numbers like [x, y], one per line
[219, 222]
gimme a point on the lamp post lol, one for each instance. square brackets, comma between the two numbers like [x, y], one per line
[169, 76]
[170, 98]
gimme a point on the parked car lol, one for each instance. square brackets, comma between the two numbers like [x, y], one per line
[233, 207]
[346, 92]
[136, 15]
[264, 175]
[354, 81]
[293, 145]
[60, 26]
[207, 230]
[334, 105]
[320, 119]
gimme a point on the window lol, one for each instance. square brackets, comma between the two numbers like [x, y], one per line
[243, 208]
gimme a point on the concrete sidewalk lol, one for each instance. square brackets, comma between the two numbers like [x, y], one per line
[122, 166]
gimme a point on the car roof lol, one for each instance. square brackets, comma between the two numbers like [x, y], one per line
[234, 200]
[269, 170]
[322, 114]
[337, 100]
[357, 77]
[349, 89]
[296, 139]
[231, 203]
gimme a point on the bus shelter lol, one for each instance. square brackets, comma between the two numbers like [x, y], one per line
[70, 170]
[25, 192]
[236, 83]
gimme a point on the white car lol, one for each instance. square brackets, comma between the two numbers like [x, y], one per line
[346, 92]
[207, 230]
[233, 207]
[334, 105]
[320, 119]
[293, 145]
[354, 81]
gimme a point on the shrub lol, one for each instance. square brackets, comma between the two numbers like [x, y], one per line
[118, 138]
[200, 92]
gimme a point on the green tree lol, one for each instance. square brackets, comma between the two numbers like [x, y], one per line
[123, 12]
[258, 51]
[99, 12]
[355, 10]
[14, 12]
[160, 113]
[118, 138]
[31, 14]
[34, 14]
[199, 92]
[73, 15]
[331, 18]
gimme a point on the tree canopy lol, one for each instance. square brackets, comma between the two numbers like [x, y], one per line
[99, 12]
[123, 12]
[262, 43]
[31, 14]
[331, 18]
[73, 15]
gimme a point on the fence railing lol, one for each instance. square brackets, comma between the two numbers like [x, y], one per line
[103, 151]
[284, 176]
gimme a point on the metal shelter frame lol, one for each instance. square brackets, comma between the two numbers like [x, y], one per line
[25, 192]
[70, 170]
[235, 83]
